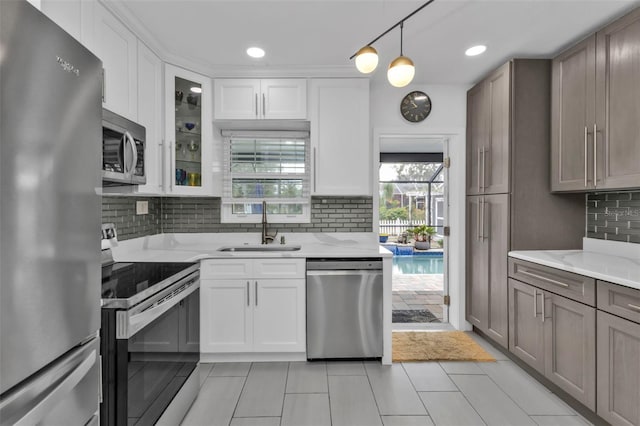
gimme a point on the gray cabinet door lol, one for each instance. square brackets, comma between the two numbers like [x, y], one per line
[526, 332]
[572, 117]
[477, 266]
[488, 133]
[189, 335]
[476, 137]
[495, 156]
[495, 233]
[570, 347]
[618, 104]
[487, 246]
[618, 370]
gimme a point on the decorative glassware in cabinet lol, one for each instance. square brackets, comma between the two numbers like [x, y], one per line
[188, 98]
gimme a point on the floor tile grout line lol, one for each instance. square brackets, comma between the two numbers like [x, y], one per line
[246, 379]
[414, 389]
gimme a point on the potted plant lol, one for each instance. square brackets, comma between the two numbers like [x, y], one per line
[422, 234]
[384, 237]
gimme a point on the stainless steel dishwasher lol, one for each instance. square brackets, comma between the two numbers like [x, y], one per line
[344, 308]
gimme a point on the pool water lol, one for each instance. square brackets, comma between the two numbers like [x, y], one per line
[407, 265]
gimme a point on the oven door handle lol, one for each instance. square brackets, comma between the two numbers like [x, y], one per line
[128, 323]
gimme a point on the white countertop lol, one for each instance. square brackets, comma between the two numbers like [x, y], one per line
[192, 247]
[610, 261]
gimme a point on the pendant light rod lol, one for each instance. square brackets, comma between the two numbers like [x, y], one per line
[400, 22]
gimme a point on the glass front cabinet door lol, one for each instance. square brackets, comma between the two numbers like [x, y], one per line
[189, 132]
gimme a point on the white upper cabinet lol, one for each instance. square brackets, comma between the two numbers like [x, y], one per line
[188, 132]
[283, 99]
[150, 116]
[117, 47]
[341, 148]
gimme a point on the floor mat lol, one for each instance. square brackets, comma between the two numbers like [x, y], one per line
[436, 346]
[413, 316]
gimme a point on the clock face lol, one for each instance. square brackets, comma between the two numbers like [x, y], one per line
[415, 107]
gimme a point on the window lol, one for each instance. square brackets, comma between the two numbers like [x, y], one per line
[266, 167]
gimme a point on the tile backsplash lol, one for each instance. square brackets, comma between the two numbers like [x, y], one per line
[122, 212]
[614, 216]
[202, 214]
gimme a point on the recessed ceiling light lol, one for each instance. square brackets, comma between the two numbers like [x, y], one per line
[475, 50]
[255, 52]
[196, 89]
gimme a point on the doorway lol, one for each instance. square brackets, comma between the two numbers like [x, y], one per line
[413, 214]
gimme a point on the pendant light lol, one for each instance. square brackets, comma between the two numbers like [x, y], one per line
[366, 59]
[401, 70]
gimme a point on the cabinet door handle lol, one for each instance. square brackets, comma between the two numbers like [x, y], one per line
[256, 105]
[484, 203]
[595, 155]
[634, 307]
[484, 169]
[535, 303]
[585, 157]
[264, 110]
[248, 292]
[478, 219]
[543, 303]
[315, 171]
[104, 85]
[256, 293]
[549, 280]
[479, 166]
[171, 165]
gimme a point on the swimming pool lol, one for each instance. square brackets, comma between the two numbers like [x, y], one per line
[408, 265]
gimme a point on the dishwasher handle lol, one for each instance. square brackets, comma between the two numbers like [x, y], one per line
[345, 272]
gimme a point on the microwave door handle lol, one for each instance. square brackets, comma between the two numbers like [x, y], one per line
[134, 151]
[127, 141]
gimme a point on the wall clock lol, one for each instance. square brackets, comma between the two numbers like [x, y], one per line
[415, 106]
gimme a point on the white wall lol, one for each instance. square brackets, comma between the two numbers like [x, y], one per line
[447, 119]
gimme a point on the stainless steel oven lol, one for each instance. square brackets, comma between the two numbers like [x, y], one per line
[150, 341]
[123, 145]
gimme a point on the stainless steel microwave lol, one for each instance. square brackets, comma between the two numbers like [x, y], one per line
[123, 143]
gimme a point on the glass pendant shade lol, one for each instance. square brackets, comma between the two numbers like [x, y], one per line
[366, 59]
[401, 71]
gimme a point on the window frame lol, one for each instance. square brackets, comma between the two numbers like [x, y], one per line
[226, 208]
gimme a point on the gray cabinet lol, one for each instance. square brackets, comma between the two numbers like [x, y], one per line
[555, 336]
[508, 187]
[617, 132]
[570, 346]
[572, 117]
[178, 330]
[488, 225]
[488, 127]
[526, 333]
[618, 370]
[595, 107]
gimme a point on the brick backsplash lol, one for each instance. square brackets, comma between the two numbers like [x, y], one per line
[614, 216]
[122, 211]
[202, 214]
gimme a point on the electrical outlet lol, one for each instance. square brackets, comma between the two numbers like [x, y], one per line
[142, 207]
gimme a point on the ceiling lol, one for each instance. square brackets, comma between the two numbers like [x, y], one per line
[316, 38]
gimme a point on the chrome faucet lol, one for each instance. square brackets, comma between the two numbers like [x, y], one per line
[266, 238]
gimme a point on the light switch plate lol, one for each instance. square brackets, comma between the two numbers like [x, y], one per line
[142, 207]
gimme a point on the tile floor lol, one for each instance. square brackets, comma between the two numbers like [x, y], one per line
[418, 292]
[369, 394]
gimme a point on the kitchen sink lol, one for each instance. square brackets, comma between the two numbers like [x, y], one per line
[260, 248]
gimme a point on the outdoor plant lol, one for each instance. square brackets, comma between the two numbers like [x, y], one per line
[422, 232]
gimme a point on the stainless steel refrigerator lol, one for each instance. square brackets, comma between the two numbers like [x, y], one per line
[50, 153]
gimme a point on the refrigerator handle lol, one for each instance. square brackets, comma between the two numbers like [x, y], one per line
[42, 405]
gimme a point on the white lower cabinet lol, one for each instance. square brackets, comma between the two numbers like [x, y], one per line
[252, 305]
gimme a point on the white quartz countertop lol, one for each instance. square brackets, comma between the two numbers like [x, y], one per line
[194, 247]
[608, 262]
